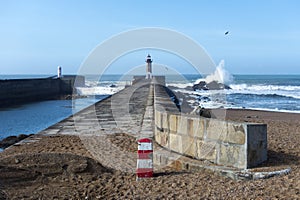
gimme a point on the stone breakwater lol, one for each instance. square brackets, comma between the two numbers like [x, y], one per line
[19, 91]
[145, 109]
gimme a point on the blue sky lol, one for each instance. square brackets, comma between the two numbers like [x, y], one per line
[37, 36]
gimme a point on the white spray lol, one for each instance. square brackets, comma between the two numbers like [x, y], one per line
[220, 75]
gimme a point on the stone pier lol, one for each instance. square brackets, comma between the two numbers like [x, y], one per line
[188, 142]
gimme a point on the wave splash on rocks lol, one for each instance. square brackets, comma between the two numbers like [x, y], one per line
[218, 80]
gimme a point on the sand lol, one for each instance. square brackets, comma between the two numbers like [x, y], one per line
[60, 167]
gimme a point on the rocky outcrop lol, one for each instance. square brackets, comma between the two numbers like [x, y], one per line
[10, 140]
[214, 85]
[203, 112]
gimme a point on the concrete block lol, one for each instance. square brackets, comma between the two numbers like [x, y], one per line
[199, 127]
[236, 133]
[173, 123]
[157, 135]
[161, 137]
[176, 164]
[189, 146]
[257, 144]
[259, 131]
[190, 127]
[164, 139]
[175, 143]
[216, 129]
[232, 155]
[206, 150]
[158, 119]
[182, 125]
[156, 158]
[165, 120]
[163, 160]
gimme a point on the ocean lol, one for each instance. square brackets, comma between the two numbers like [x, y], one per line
[260, 92]
[279, 93]
[34, 117]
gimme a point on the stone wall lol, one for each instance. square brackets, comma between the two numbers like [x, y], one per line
[18, 91]
[240, 145]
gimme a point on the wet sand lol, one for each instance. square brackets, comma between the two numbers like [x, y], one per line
[61, 167]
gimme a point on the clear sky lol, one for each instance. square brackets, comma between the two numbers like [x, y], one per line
[37, 36]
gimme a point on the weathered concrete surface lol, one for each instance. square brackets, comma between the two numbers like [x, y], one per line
[232, 144]
[180, 162]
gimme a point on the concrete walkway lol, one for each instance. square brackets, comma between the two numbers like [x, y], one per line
[121, 112]
[129, 111]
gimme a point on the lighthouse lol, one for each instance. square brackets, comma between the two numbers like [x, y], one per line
[59, 72]
[149, 67]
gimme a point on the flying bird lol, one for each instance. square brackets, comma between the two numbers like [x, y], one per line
[226, 32]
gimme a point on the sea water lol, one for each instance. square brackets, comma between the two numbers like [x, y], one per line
[34, 117]
[261, 92]
[31, 118]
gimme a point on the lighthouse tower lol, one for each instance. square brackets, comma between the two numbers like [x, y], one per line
[149, 67]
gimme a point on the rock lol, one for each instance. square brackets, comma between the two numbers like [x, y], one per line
[204, 98]
[200, 86]
[203, 112]
[214, 85]
[23, 136]
[10, 140]
[17, 161]
[188, 88]
[3, 195]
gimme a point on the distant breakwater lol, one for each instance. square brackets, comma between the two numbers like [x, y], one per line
[20, 91]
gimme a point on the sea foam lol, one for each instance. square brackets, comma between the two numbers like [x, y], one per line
[220, 75]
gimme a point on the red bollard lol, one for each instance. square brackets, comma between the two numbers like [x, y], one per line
[145, 159]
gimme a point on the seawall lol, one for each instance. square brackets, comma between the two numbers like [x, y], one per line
[19, 91]
[226, 143]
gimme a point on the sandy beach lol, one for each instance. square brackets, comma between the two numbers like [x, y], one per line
[60, 167]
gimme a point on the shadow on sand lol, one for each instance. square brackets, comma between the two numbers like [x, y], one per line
[276, 159]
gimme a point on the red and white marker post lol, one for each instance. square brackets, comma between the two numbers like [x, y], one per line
[145, 159]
